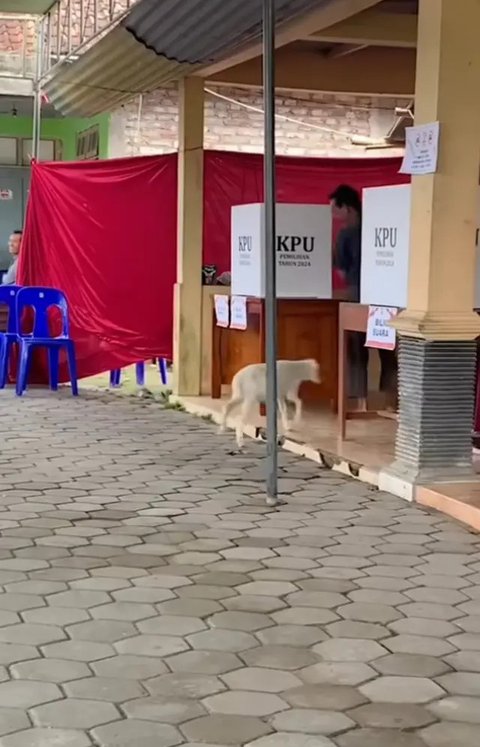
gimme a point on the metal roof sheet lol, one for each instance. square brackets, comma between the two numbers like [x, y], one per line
[158, 42]
[109, 74]
[202, 31]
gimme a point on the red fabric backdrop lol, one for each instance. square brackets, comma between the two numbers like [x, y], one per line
[105, 233]
[237, 179]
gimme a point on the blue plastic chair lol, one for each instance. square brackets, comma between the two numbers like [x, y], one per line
[41, 300]
[9, 338]
[116, 374]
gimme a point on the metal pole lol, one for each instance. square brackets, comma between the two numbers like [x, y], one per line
[37, 95]
[270, 247]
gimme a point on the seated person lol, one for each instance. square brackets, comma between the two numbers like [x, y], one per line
[14, 242]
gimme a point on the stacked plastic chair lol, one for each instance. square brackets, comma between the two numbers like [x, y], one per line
[9, 338]
[40, 301]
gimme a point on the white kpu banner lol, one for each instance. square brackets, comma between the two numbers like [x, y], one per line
[303, 250]
[386, 247]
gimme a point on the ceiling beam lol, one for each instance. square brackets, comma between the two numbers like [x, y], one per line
[335, 12]
[375, 71]
[371, 28]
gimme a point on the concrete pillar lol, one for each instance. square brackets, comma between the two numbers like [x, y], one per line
[437, 350]
[188, 289]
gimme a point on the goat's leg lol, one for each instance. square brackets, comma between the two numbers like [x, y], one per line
[295, 399]
[282, 409]
[246, 408]
[229, 406]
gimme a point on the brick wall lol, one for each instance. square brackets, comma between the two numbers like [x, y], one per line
[149, 125]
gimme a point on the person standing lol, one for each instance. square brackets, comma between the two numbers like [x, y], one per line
[14, 243]
[347, 207]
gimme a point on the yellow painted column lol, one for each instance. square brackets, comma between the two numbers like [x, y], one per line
[188, 289]
[437, 330]
[445, 205]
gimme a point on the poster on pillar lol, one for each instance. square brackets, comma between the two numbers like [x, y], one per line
[386, 247]
[303, 249]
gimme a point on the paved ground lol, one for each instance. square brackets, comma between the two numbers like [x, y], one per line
[149, 598]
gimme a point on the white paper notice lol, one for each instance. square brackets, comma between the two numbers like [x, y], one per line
[222, 310]
[238, 308]
[6, 194]
[421, 149]
[379, 333]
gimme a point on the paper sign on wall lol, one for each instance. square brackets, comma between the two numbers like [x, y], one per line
[238, 312]
[421, 149]
[379, 333]
[222, 310]
[6, 194]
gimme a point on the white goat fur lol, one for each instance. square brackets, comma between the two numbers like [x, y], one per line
[249, 389]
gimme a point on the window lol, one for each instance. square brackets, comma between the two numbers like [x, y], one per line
[46, 151]
[88, 144]
[8, 151]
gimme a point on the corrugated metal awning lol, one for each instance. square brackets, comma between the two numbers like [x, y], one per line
[203, 31]
[159, 42]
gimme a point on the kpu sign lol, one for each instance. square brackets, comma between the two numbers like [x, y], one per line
[386, 247]
[303, 248]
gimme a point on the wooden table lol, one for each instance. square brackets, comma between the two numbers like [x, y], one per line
[352, 317]
[307, 328]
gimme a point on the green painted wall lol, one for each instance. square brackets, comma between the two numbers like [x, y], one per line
[58, 129]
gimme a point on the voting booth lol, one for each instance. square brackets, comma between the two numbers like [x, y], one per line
[303, 248]
[386, 247]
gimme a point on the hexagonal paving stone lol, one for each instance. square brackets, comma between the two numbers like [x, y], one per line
[246, 621]
[349, 649]
[130, 612]
[151, 645]
[252, 603]
[460, 683]
[204, 662]
[279, 657]
[79, 650]
[261, 680]
[448, 734]
[243, 703]
[354, 629]
[104, 688]
[167, 711]
[291, 635]
[285, 739]
[78, 598]
[464, 661]
[423, 626]
[457, 708]
[50, 670]
[391, 716]
[47, 738]
[25, 693]
[312, 721]
[401, 690]
[369, 613]
[225, 730]
[419, 644]
[324, 697]
[410, 665]
[31, 634]
[267, 588]
[182, 686]
[222, 640]
[130, 667]
[171, 625]
[379, 738]
[12, 720]
[76, 714]
[102, 631]
[131, 731]
[337, 673]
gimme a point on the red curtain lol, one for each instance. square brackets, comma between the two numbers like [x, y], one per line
[237, 179]
[104, 232]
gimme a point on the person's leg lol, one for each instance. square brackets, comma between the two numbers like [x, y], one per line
[357, 355]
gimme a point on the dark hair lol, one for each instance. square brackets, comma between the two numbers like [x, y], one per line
[17, 233]
[346, 196]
